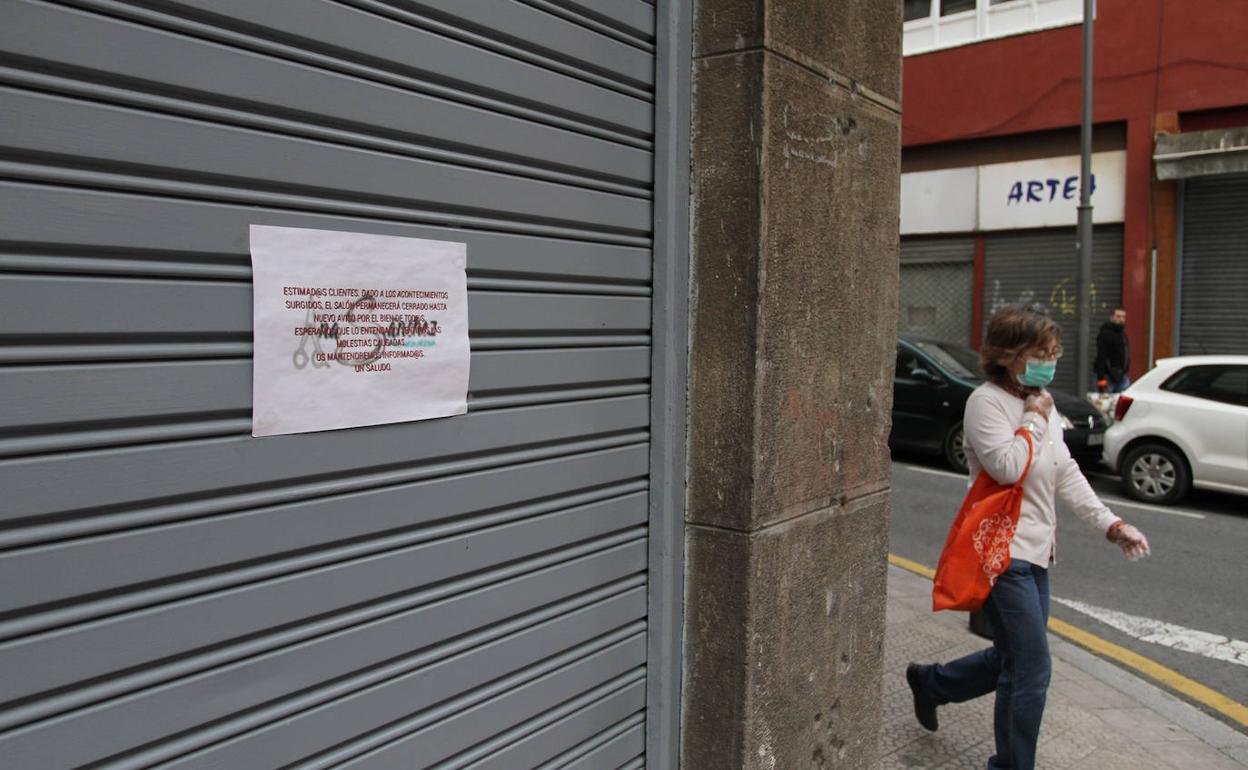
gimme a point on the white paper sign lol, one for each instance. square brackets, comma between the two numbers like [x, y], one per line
[355, 329]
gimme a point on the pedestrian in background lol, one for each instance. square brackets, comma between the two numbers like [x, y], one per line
[1112, 353]
[1019, 356]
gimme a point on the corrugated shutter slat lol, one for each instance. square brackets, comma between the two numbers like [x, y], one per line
[1213, 313]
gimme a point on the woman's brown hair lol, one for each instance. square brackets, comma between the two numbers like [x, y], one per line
[1012, 330]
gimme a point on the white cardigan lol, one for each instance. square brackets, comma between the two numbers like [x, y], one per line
[991, 419]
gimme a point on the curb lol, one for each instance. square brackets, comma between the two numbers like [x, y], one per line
[1208, 728]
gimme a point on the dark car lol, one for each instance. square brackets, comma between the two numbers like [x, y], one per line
[930, 387]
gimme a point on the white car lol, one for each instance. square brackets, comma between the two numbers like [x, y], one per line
[1183, 424]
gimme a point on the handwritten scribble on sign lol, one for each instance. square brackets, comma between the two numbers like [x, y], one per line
[355, 329]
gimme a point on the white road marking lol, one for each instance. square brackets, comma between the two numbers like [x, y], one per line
[933, 471]
[1166, 634]
[1153, 508]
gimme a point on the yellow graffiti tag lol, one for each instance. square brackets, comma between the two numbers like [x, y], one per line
[1065, 301]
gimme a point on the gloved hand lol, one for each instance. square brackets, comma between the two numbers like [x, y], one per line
[1132, 541]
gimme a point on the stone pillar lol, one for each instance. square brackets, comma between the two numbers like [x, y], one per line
[796, 162]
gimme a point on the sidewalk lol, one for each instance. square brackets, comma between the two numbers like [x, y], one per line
[1098, 715]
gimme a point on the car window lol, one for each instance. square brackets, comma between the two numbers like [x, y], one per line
[908, 362]
[1224, 383]
[955, 359]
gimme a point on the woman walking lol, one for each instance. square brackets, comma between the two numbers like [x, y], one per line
[1019, 356]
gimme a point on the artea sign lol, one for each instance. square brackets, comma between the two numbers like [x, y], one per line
[1011, 196]
[1045, 192]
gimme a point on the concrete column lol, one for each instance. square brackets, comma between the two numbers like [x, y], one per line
[796, 161]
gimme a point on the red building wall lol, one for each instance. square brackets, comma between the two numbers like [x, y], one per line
[1151, 57]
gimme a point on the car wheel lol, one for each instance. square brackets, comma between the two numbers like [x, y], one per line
[1155, 473]
[955, 454]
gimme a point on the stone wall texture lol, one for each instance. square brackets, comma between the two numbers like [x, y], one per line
[796, 164]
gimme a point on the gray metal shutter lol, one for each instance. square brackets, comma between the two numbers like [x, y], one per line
[1213, 313]
[1042, 267]
[934, 296]
[450, 592]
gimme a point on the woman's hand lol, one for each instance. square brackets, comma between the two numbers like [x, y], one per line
[1132, 541]
[1041, 403]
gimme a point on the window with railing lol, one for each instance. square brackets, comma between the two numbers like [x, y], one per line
[934, 24]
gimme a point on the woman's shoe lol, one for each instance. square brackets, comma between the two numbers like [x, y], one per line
[924, 707]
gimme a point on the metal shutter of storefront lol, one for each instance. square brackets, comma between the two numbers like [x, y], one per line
[935, 288]
[467, 591]
[1213, 313]
[1042, 267]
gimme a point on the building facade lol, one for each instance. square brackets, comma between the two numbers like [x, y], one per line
[990, 184]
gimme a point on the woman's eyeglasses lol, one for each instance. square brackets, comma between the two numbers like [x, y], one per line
[1046, 354]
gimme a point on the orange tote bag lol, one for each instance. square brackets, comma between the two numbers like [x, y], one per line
[977, 549]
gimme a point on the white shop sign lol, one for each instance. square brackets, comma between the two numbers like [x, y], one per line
[1045, 193]
[1011, 196]
[939, 201]
[356, 329]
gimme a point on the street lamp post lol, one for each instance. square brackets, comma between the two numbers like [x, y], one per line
[1083, 377]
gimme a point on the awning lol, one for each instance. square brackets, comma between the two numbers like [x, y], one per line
[1201, 153]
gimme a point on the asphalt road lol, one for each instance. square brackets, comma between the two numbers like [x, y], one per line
[1197, 576]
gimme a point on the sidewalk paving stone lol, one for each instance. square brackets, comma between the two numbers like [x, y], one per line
[1088, 722]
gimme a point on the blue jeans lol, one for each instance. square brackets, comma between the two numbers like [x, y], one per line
[1016, 666]
[1120, 385]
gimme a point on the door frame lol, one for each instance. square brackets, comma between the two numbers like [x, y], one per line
[669, 375]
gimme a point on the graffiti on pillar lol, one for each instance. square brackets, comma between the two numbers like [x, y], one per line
[814, 137]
